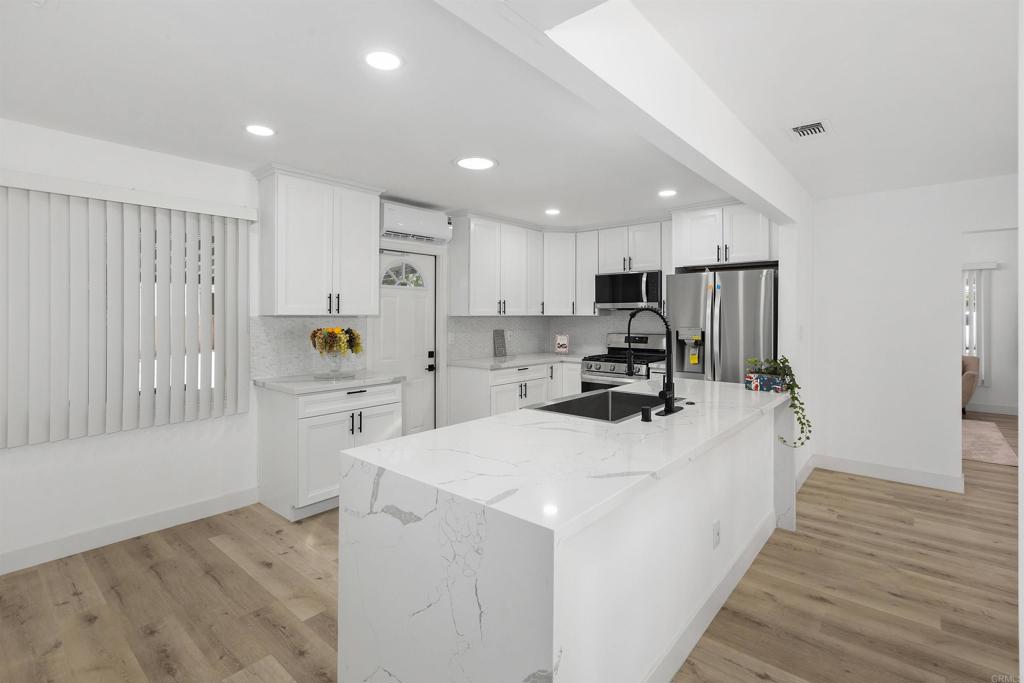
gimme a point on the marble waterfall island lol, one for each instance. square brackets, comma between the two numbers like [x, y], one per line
[534, 546]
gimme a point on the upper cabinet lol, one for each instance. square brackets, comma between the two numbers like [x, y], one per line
[587, 248]
[318, 246]
[631, 248]
[731, 234]
[559, 273]
[495, 268]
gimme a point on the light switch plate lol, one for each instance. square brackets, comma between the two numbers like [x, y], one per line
[451, 339]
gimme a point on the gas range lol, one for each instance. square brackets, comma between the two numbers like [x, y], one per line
[611, 367]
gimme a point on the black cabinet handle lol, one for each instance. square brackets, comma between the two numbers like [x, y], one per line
[360, 422]
[727, 253]
[430, 368]
[337, 306]
[623, 263]
[356, 391]
[526, 390]
[499, 306]
[574, 308]
[718, 253]
[329, 304]
[551, 372]
[631, 263]
[351, 423]
[542, 308]
[503, 308]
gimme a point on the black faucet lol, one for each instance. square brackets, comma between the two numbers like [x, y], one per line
[668, 389]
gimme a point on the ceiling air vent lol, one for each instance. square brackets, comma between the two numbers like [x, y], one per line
[810, 129]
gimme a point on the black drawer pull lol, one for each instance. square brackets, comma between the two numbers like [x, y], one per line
[357, 391]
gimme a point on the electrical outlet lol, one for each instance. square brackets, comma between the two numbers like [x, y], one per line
[716, 534]
[508, 336]
[451, 339]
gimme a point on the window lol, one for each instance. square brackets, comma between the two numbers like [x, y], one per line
[112, 317]
[402, 275]
[975, 322]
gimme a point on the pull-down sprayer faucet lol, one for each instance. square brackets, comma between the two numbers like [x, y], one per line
[668, 389]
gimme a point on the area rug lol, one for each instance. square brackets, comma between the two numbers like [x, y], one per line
[983, 441]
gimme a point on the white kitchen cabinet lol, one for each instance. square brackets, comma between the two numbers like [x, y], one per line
[629, 248]
[613, 250]
[318, 247]
[732, 234]
[560, 273]
[644, 247]
[746, 235]
[301, 434]
[494, 268]
[572, 380]
[505, 398]
[555, 381]
[587, 249]
[513, 270]
[484, 264]
[534, 272]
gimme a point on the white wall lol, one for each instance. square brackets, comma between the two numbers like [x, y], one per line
[886, 313]
[62, 497]
[999, 392]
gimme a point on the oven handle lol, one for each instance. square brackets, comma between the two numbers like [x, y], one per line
[614, 381]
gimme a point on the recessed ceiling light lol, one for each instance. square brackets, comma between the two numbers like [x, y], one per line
[385, 61]
[262, 131]
[476, 163]
[667, 193]
[552, 212]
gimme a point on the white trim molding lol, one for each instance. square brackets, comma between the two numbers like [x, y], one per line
[932, 480]
[270, 169]
[119, 531]
[124, 195]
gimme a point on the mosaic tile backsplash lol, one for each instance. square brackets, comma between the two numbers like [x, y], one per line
[280, 345]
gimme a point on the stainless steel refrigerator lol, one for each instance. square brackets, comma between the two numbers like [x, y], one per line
[720, 319]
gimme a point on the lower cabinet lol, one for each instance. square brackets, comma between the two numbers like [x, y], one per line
[300, 437]
[474, 393]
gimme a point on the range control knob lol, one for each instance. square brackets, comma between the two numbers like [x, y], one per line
[590, 366]
[597, 366]
[611, 368]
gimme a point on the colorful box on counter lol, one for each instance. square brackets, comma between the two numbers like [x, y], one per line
[758, 382]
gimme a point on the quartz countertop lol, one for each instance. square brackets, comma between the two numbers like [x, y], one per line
[561, 472]
[500, 363]
[308, 384]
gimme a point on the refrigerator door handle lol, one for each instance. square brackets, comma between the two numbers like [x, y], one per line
[761, 322]
[709, 299]
[716, 335]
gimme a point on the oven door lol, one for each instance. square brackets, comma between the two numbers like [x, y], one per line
[591, 381]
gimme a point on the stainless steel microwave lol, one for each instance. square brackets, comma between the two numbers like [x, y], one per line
[628, 290]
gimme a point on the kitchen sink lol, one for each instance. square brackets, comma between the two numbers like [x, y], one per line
[607, 405]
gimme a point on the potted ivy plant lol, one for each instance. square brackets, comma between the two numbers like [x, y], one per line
[776, 374]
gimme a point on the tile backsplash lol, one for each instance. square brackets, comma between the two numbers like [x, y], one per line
[280, 345]
[472, 336]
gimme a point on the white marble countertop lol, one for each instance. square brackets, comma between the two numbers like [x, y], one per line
[562, 472]
[308, 384]
[496, 363]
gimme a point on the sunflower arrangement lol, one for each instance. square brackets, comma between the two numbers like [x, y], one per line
[336, 340]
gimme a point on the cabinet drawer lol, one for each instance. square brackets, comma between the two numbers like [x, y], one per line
[328, 402]
[520, 374]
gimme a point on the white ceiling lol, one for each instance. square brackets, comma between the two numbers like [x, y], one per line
[918, 92]
[185, 78]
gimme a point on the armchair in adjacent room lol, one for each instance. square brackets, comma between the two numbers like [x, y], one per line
[969, 366]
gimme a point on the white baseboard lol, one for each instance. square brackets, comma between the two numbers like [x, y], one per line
[805, 471]
[985, 408]
[118, 531]
[687, 640]
[932, 480]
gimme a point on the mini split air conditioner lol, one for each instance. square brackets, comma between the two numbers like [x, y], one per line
[413, 223]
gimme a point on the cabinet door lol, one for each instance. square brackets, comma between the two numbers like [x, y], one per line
[378, 423]
[697, 237]
[513, 270]
[644, 247]
[572, 381]
[555, 381]
[534, 271]
[747, 235]
[505, 398]
[484, 267]
[356, 249]
[304, 244]
[613, 250]
[586, 269]
[319, 441]
[560, 273]
[535, 391]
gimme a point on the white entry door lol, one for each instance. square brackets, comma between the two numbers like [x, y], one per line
[401, 338]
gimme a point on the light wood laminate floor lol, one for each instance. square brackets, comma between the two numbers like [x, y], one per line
[883, 582]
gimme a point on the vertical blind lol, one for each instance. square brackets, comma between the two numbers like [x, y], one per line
[976, 319]
[117, 316]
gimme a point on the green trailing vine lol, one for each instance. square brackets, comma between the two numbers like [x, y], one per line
[780, 367]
